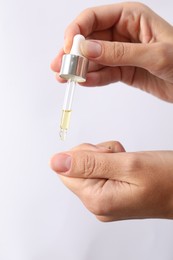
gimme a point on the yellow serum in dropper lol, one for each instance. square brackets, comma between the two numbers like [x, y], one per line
[65, 122]
[67, 109]
[65, 119]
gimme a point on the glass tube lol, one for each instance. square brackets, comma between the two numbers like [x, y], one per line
[67, 109]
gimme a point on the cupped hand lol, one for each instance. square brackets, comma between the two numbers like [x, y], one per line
[128, 43]
[116, 185]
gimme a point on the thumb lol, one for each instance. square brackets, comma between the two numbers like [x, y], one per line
[90, 165]
[119, 53]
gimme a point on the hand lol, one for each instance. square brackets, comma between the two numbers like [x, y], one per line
[132, 44]
[116, 185]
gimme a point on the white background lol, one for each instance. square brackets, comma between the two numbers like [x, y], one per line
[39, 218]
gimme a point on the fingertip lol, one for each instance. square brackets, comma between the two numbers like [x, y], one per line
[56, 62]
[60, 163]
[53, 65]
[68, 40]
[67, 46]
[70, 32]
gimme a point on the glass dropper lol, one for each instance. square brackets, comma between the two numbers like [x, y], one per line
[67, 108]
[74, 68]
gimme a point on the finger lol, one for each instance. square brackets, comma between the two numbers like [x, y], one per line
[114, 146]
[102, 77]
[106, 199]
[104, 147]
[56, 63]
[106, 218]
[127, 74]
[96, 165]
[89, 191]
[129, 54]
[56, 66]
[79, 185]
[105, 35]
[94, 66]
[62, 162]
[90, 20]
[76, 185]
[92, 147]
[119, 53]
[60, 79]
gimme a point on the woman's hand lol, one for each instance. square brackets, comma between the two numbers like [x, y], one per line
[130, 43]
[116, 185]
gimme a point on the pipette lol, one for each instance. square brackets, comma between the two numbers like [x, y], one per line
[67, 108]
[74, 68]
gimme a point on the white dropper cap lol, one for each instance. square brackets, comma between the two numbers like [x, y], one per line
[76, 44]
[74, 66]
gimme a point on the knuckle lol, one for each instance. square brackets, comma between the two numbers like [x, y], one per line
[112, 146]
[119, 51]
[89, 164]
[141, 5]
[163, 52]
[89, 14]
[87, 11]
[133, 163]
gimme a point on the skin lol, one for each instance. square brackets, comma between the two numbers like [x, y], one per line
[126, 42]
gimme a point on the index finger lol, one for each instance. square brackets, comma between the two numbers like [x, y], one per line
[92, 19]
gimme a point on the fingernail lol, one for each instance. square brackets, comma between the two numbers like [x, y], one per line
[91, 49]
[61, 162]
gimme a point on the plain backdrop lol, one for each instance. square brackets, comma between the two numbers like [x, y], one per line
[40, 219]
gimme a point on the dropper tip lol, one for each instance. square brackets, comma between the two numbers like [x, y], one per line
[63, 134]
